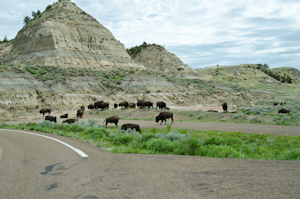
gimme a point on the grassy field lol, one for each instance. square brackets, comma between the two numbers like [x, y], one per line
[174, 141]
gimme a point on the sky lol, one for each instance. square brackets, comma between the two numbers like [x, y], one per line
[202, 33]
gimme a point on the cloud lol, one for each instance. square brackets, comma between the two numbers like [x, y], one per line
[201, 33]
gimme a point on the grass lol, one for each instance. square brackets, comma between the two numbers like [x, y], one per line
[175, 141]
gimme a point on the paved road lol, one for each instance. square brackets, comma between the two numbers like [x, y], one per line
[36, 167]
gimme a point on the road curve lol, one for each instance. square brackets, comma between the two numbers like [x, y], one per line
[35, 167]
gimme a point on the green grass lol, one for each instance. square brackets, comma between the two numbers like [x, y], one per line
[176, 141]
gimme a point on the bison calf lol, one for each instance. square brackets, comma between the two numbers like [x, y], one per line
[51, 118]
[163, 116]
[70, 121]
[113, 119]
[131, 126]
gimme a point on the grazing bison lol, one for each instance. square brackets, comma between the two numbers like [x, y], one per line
[70, 121]
[281, 103]
[131, 126]
[64, 115]
[51, 118]
[91, 106]
[163, 116]
[167, 108]
[124, 104]
[131, 105]
[283, 110]
[140, 103]
[113, 119]
[148, 104]
[102, 105]
[224, 105]
[80, 112]
[116, 105]
[275, 103]
[161, 105]
[45, 110]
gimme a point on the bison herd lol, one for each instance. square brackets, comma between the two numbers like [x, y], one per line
[115, 119]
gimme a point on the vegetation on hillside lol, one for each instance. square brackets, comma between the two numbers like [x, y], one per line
[176, 141]
[134, 51]
[5, 40]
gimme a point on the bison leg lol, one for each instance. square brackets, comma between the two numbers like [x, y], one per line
[172, 120]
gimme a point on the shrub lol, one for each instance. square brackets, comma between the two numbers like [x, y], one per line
[255, 120]
[200, 117]
[131, 132]
[123, 139]
[238, 116]
[174, 135]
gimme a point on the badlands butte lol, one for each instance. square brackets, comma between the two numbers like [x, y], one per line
[64, 58]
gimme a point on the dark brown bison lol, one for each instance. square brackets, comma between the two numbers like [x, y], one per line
[161, 105]
[275, 103]
[70, 121]
[102, 105]
[82, 107]
[131, 126]
[224, 105]
[147, 104]
[123, 104]
[80, 112]
[91, 106]
[64, 115]
[116, 105]
[283, 110]
[113, 119]
[51, 118]
[140, 103]
[163, 116]
[281, 103]
[167, 108]
[45, 110]
[131, 105]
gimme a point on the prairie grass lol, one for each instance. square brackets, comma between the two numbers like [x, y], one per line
[176, 141]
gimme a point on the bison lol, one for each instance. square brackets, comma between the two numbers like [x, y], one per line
[283, 110]
[116, 105]
[70, 121]
[64, 115]
[91, 106]
[113, 119]
[167, 108]
[161, 105]
[140, 103]
[101, 104]
[45, 110]
[148, 104]
[131, 105]
[131, 126]
[275, 103]
[80, 112]
[123, 104]
[224, 105]
[163, 116]
[51, 118]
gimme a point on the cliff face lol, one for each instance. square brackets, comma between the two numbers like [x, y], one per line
[65, 35]
[157, 58]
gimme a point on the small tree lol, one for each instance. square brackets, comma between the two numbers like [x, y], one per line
[26, 20]
[5, 39]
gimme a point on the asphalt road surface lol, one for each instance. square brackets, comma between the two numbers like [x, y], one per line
[37, 167]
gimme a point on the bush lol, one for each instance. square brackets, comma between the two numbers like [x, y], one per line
[239, 116]
[174, 135]
[123, 139]
[200, 117]
[255, 120]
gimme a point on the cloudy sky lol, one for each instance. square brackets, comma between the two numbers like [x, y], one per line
[202, 33]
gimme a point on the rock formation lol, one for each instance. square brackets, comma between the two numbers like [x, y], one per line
[67, 36]
[157, 58]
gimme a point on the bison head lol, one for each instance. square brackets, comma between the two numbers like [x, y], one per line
[157, 119]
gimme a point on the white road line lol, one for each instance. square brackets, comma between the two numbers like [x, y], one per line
[82, 154]
[0, 153]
